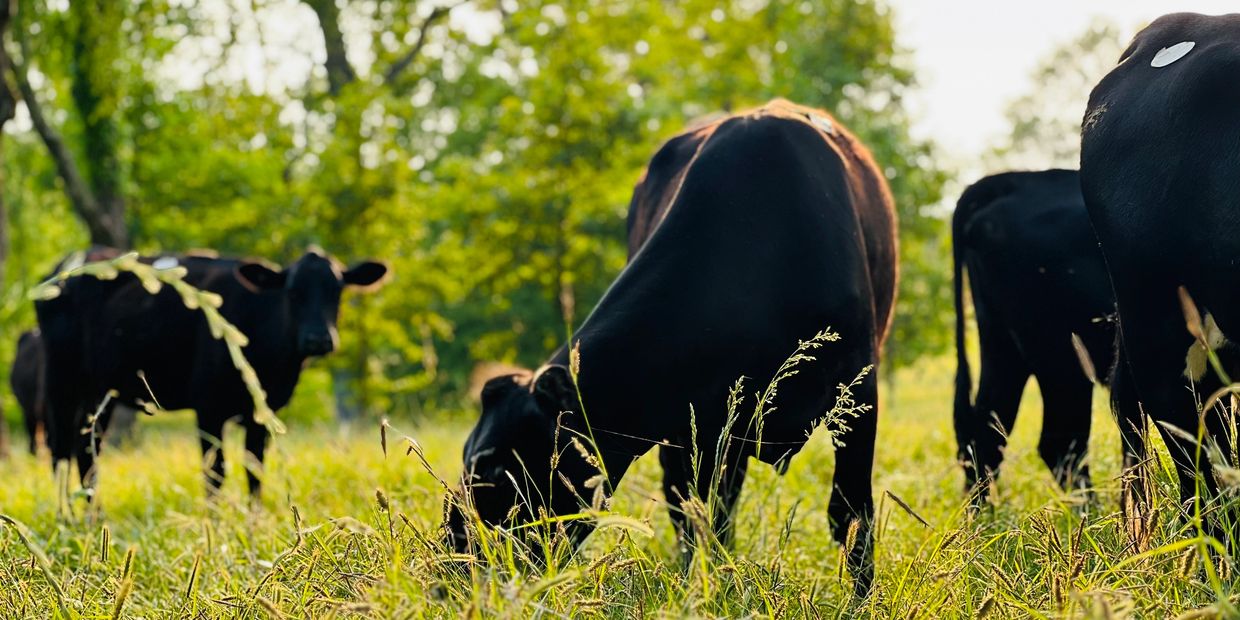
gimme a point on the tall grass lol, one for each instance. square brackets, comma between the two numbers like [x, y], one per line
[325, 544]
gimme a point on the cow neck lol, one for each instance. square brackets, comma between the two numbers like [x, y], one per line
[617, 446]
[273, 337]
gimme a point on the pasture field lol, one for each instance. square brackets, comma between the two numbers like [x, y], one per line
[346, 532]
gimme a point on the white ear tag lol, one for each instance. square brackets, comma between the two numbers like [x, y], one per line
[823, 123]
[165, 262]
[1168, 55]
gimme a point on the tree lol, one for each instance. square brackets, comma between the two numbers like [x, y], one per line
[486, 148]
[8, 109]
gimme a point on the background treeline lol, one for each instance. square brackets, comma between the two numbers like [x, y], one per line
[485, 149]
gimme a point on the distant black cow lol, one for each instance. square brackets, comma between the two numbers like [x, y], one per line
[1036, 277]
[780, 226]
[1159, 170]
[27, 373]
[114, 335]
[26, 378]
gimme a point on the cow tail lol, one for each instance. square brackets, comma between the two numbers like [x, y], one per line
[963, 405]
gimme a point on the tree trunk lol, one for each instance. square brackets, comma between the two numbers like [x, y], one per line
[96, 45]
[339, 71]
[8, 107]
[106, 225]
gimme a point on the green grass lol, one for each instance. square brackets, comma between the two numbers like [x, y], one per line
[1039, 553]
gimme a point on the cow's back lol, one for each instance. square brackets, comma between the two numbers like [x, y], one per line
[1033, 261]
[763, 246]
[1159, 152]
[151, 346]
[143, 345]
[869, 196]
[656, 190]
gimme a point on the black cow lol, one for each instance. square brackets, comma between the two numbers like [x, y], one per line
[114, 335]
[26, 378]
[1036, 277]
[780, 226]
[1159, 162]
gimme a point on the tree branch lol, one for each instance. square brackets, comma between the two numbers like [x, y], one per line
[79, 193]
[404, 61]
[8, 100]
[8, 109]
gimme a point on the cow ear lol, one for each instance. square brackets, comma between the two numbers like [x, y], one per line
[555, 391]
[369, 275]
[259, 277]
[497, 387]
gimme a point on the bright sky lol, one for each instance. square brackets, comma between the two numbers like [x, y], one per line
[973, 56]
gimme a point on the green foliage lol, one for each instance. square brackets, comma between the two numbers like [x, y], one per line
[493, 171]
[1046, 122]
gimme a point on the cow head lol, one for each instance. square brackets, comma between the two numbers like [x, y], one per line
[312, 286]
[508, 474]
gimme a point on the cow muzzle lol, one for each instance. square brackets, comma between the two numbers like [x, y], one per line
[316, 345]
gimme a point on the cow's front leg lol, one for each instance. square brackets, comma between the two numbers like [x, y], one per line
[726, 484]
[256, 437]
[676, 492]
[85, 454]
[718, 491]
[210, 437]
[852, 495]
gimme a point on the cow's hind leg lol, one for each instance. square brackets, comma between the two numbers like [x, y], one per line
[256, 436]
[851, 508]
[1066, 415]
[1003, 378]
[31, 420]
[1133, 430]
[1195, 472]
[210, 437]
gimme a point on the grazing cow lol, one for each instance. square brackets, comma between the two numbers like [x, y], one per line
[1159, 168]
[26, 378]
[780, 225]
[114, 335]
[1036, 277]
